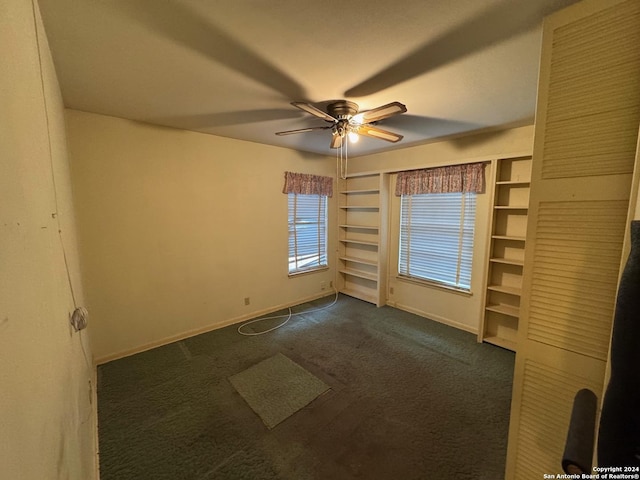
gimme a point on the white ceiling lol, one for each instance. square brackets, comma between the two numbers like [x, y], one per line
[232, 67]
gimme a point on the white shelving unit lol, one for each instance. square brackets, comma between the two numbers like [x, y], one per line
[362, 224]
[501, 312]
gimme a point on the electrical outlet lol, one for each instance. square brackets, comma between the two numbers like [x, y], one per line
[390, 290]
[247, 300]
[330, 283]
[323, 285]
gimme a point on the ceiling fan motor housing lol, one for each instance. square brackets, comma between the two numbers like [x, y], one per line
[342, 109]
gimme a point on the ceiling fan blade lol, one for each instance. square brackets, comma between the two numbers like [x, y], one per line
[385, 111]
[314, 111]
[336, 141]
[302, 130]
[375, 132]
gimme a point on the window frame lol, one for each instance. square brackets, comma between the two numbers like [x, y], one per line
[465, 232]
[316, 262]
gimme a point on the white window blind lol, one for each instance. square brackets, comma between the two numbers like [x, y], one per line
[436, 237]
[307, 232]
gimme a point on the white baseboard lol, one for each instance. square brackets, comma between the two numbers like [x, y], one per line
[434, 317]
[208, 328]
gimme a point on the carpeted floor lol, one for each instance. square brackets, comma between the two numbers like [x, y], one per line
[409, 399]
[277, 387]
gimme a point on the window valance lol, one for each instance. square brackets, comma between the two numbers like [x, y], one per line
[451, 179]
[307, 184]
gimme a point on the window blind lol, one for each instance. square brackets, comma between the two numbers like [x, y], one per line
[436, 237]
[307, 232]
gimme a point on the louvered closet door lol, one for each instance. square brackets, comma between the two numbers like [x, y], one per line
[585, 141]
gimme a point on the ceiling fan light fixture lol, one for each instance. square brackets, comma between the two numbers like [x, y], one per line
[346, 122]
[357, 119]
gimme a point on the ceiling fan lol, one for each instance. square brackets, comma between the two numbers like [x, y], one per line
[345, 119]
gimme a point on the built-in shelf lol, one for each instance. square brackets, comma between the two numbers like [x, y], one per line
[501, 342]
[362, 204]
[508, 261]
[359, 293]
[505, 289]
[510, 200]
[508, 237]
[359, 207]
[360, 227]
[359, 192]
[359, 242]
[514, 183]
[504, 309]
[362, 261]
[359, 273]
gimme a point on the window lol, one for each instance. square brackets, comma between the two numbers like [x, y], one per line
[436, 237]
[307, 232]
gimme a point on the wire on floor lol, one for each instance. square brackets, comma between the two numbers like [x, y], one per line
[288, 317]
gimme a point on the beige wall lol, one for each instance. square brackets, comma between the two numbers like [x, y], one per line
[47, 418]
[453, 308]
[177, 228]
[485, 146]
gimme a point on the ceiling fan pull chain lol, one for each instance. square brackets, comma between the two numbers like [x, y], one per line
[345, 140]
[342, 160]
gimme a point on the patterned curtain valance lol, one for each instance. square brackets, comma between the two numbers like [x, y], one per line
[452, 179]
[307, 184]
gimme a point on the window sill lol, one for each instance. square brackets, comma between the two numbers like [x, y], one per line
[311, 270]
[440, 286]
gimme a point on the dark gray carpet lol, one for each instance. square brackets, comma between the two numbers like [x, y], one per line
[409, 399]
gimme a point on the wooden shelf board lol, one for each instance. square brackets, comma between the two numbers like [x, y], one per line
[505, 289]
[507, 261]
[358, 273]
[360, 227]
[359, 207]
[359, 192]
[504, 309]
[359, 242]
[501, 342]
[508, 237]
[371, 298]
[513, 182]
[511, 207]
[363, 261]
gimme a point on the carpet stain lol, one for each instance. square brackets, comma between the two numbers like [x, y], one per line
[223, 463]
[185, 351]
